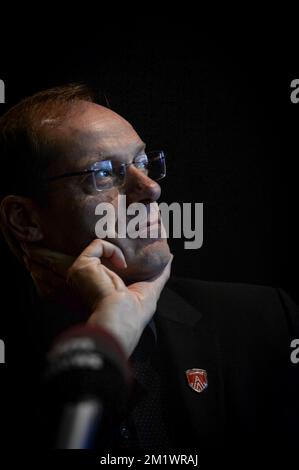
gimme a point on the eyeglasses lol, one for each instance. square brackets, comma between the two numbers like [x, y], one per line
[107, 174]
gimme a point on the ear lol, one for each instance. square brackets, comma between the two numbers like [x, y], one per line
[21, 216]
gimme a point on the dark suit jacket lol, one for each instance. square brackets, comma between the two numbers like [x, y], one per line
[240, 335]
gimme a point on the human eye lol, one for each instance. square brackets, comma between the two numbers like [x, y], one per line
[141, 163]
[103, 173]
[103, 170]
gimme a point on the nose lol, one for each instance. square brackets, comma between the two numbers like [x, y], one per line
[140, 188]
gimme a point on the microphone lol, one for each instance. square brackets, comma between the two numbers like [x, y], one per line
[87, 378]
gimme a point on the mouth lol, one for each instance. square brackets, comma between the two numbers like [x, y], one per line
[148, 229]
[150, 223]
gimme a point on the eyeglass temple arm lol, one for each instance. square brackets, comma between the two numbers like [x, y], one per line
[65, 175]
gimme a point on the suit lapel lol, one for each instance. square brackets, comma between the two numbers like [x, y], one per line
[186, 340]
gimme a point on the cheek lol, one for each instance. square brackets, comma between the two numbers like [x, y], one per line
[81, 212]
[68, 219]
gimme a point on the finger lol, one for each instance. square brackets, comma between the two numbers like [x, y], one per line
[103, 249]
[57, 262]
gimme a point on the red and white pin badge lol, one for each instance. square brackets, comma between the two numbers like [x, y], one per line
[197, 379]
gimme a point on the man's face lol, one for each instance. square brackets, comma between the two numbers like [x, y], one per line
[91, 133]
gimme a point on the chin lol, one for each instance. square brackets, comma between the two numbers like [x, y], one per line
[147, 262]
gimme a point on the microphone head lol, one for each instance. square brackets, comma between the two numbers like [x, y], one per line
[86, 361]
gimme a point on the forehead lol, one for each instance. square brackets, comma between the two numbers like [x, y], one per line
[90, 132]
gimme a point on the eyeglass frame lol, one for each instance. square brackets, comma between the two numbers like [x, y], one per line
[93, 170]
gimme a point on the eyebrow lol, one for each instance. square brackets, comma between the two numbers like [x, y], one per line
[139, 148]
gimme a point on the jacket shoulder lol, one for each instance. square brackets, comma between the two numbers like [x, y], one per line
[240, 305]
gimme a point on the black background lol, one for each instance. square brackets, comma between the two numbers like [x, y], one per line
[218, 104]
